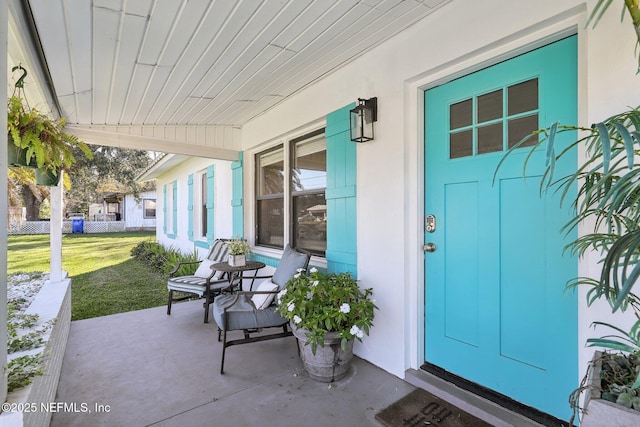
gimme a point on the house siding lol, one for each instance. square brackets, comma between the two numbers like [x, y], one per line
[219, 217]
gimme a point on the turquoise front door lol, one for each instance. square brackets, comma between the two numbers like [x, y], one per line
[496, 311]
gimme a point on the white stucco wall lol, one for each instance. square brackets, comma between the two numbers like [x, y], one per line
[459, 38]
[222, 194]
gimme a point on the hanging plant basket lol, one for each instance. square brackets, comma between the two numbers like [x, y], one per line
[17, 156]
[47, 177]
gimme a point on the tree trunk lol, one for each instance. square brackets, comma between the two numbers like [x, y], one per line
[31, 203]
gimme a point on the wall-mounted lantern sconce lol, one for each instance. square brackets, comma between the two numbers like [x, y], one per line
[362, 118]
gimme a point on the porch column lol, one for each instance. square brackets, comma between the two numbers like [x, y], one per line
[4, 211]
[55, 232]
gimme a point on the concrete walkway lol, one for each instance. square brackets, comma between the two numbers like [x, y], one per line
[145, 368]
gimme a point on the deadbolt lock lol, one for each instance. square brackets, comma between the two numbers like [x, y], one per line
[430, 223]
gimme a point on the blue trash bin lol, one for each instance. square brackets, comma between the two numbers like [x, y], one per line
[77, 225]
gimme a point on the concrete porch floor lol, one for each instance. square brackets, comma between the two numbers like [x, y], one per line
[145, 368]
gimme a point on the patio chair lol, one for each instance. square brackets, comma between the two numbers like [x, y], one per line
[251, 311]
[205, 282]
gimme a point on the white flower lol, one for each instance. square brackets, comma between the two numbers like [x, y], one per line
[296, 319]
[313, 270]
[296, 275]
[345, 308]
[315, 283]
[291, 306]
[300, 270]
[356, 331]
[309, 295]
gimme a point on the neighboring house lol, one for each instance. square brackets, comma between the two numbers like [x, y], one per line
[454, 91]
[138, 213]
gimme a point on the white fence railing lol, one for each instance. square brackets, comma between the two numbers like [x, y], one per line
[42, 227]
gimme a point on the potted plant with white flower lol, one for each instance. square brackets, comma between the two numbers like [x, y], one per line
[327, 312]
[238, 250]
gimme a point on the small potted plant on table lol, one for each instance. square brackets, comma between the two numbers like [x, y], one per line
[238, 250]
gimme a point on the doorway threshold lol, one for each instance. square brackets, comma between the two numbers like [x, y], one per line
[488, 405]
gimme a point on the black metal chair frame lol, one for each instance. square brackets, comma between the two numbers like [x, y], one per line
[209, 295]
[247, 338]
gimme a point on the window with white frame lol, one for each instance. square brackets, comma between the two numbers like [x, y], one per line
[290, 194]
[170, 208]
[149, 208]
[200, 205]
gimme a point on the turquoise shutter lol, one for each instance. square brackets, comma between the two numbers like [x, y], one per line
[175, 208]
[341, 251]
[236, 198]
[164, 209]
[190, 206]
[210, 204]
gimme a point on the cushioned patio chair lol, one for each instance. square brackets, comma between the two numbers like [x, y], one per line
[205, 282]
[251, 311]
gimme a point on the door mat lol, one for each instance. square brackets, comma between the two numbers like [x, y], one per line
[421, 408]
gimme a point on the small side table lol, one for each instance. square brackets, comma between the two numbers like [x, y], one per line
[232, 270]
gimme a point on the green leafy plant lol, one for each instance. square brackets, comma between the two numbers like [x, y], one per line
[42, 138]
[238, 246]
[22, 370]
[608, 202]
[164, 259]
[323, 303]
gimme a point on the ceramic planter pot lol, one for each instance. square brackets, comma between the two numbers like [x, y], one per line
[237, 260]
[330, 363]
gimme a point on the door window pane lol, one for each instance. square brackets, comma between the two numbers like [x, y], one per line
[461, 144]
[521, 127]
[490, 138]
[490, 106]
[523, 97]
[461, 114]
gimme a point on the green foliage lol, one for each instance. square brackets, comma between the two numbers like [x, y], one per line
[22, 330]
[238, 246]
[619, 379]
[164, 260]
[42, 137]
[322, 303]
[21, 371]
[607, 200]
[112, 169]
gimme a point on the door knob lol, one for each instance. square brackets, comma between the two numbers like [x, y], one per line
[429, 247]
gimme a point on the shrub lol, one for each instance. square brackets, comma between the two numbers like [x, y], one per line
[164, 259]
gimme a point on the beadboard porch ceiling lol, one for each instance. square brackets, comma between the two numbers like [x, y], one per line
[154, 73]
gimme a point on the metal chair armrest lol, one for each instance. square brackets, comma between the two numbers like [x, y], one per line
[180, 264]
[237, 295]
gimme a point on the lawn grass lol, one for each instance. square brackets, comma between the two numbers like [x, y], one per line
[105, 278]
